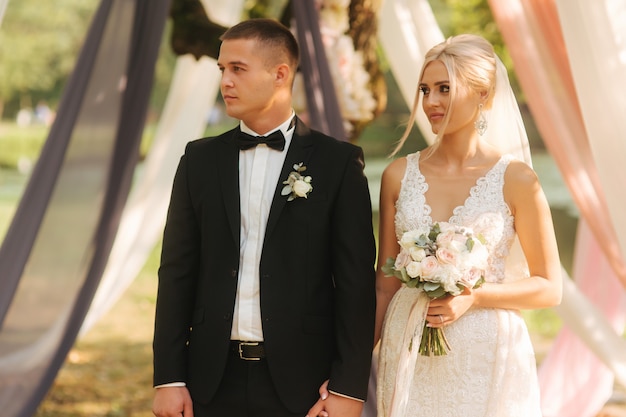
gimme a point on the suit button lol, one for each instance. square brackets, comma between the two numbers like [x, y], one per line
[233, 273]
[228, 316]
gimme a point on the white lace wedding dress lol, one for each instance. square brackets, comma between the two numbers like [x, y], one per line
[490, 370]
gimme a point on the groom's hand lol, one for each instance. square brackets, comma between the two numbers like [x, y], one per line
[172, 402]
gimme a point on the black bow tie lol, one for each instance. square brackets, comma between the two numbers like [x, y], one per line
[274, 140]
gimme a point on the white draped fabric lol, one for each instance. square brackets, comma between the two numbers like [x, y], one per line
[588, 339]
[595, 37]
[3, 7]
[407, 30]
[192, 94]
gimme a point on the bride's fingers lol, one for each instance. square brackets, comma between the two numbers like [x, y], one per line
[324, 390]
[317, 409]
[436, 320]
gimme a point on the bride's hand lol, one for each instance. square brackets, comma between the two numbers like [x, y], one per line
[446, 310]
[319, 408]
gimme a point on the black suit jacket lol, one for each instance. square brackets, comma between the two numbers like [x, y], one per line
[316, 272]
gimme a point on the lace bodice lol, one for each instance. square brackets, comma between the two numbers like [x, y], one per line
[484, 210]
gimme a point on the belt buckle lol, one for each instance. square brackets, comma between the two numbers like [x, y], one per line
[240, 349]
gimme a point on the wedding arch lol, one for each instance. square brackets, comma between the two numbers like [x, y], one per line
[81, 232]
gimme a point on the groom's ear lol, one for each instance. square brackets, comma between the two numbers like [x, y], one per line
[282, 74]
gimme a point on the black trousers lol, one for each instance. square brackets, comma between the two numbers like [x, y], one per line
[246, 390]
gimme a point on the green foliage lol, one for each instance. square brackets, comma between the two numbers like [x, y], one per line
[39, 42]
[543, 323]
[39, 45]
[20, 143]
[163, 72]
[474, 16]
[265, 8]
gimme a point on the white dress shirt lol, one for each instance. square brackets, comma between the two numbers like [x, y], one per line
[259, 169]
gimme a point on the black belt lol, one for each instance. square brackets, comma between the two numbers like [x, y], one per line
[249, 351]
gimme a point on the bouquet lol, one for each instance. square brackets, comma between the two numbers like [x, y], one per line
[442, 260]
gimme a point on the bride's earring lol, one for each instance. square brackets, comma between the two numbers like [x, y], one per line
[481, 124]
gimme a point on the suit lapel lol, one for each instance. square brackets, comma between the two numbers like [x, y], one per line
[299, 151]
[229, 180]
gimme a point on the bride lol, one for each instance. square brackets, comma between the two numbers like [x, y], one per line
[473, 176]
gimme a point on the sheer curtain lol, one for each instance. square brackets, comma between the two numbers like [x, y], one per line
[408, 29]
[56, 247]
[595, 38]
[3, 7]
[533, 35]
[192, 94]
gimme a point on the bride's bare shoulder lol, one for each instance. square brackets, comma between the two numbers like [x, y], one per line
[520, 174]
[395, 170]
[521, 185]
[391, 180]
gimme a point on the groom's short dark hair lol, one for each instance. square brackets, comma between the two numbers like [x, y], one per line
[270, 33]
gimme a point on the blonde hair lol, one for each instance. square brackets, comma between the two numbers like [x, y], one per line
[471, 63]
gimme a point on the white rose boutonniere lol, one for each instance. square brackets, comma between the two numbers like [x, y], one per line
[297, 185]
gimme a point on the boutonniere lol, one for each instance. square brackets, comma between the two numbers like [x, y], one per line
[297, 185]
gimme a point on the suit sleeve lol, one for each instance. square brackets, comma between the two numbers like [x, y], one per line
[354, 254]
[177, 275]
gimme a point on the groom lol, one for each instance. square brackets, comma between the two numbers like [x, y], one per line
[266, 283]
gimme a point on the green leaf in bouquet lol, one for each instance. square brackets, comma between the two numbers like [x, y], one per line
[434, 232]
[404, 277]
[434, 290]
[389, 267]
[480, 282]
[422, 241]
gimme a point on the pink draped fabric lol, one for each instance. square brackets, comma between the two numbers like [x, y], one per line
[532, 32]
[594, 37]
[573, 380]
[533, 36]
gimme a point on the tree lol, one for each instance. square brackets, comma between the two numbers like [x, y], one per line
[39, 44]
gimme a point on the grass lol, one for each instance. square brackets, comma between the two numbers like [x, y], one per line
[20, 145]
[108, 373]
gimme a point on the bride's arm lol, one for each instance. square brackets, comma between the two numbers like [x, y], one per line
[388, 246]
[533, 223]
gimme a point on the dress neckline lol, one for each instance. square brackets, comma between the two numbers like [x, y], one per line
[458, 209]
